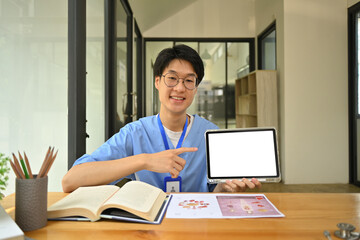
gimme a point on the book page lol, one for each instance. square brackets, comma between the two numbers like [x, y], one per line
[90, 198]
[136, 195]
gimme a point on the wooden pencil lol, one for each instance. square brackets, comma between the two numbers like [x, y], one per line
[44, 163]
[17, 165]
[50, 163]
[15, 169]
[28, 166]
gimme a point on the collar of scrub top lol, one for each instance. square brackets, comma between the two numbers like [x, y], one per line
[162, 130]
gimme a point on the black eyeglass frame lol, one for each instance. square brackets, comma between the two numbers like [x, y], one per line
[178, 80]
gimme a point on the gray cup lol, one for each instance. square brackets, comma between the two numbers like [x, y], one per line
[31, 203]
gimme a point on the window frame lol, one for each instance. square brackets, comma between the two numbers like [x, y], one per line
[353, 92]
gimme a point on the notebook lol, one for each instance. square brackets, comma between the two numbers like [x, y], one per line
[242, 153]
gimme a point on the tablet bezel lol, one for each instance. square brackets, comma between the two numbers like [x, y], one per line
[275, 178]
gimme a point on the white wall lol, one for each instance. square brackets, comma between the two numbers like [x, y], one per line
[315, 121]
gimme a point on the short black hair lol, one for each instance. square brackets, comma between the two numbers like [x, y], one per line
[182, 52]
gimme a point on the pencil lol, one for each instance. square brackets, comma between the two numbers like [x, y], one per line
[17, 165]
[23, 166]
[50, 163]
[44, 163]
[14, 169]
[28, 166]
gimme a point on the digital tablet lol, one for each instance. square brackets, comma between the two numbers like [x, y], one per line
[242, 153]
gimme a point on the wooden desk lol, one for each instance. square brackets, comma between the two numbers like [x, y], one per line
[307, 215]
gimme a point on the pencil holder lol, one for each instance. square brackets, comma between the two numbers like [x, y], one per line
[31, 203]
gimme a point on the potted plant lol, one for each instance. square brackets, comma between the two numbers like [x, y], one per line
[4, 171]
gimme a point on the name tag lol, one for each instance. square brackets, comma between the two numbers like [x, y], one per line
[172, 184]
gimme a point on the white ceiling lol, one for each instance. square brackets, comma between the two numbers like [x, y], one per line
[149, 13]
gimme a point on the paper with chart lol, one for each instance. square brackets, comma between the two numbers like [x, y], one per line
[221, 206]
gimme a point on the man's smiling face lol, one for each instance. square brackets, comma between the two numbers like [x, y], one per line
[176, 99]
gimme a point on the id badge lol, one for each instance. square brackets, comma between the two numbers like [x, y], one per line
[172, 184]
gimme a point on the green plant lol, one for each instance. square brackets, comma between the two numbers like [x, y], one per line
[4, 171]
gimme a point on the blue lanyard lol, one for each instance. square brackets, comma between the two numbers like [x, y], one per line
[162, 130]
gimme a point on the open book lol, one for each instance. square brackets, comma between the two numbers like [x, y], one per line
[135, 201]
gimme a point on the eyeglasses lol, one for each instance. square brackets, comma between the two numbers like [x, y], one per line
[171, 80]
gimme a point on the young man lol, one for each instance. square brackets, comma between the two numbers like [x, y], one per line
[168, 144]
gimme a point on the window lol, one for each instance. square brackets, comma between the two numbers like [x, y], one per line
[267, 48]
[33, 66]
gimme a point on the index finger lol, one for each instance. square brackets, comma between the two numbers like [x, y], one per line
[181, 150]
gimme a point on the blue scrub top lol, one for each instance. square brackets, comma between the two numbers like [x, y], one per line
[143, 136]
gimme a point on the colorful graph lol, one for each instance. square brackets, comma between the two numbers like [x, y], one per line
[193, 204]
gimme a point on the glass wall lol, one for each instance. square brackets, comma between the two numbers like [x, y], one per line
[237, 66]
[95, 80]
[211, 95]
[33, 83]
[121, 83]
[215, 100]
[269, 52]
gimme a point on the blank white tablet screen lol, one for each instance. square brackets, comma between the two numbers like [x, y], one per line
[242, 154]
